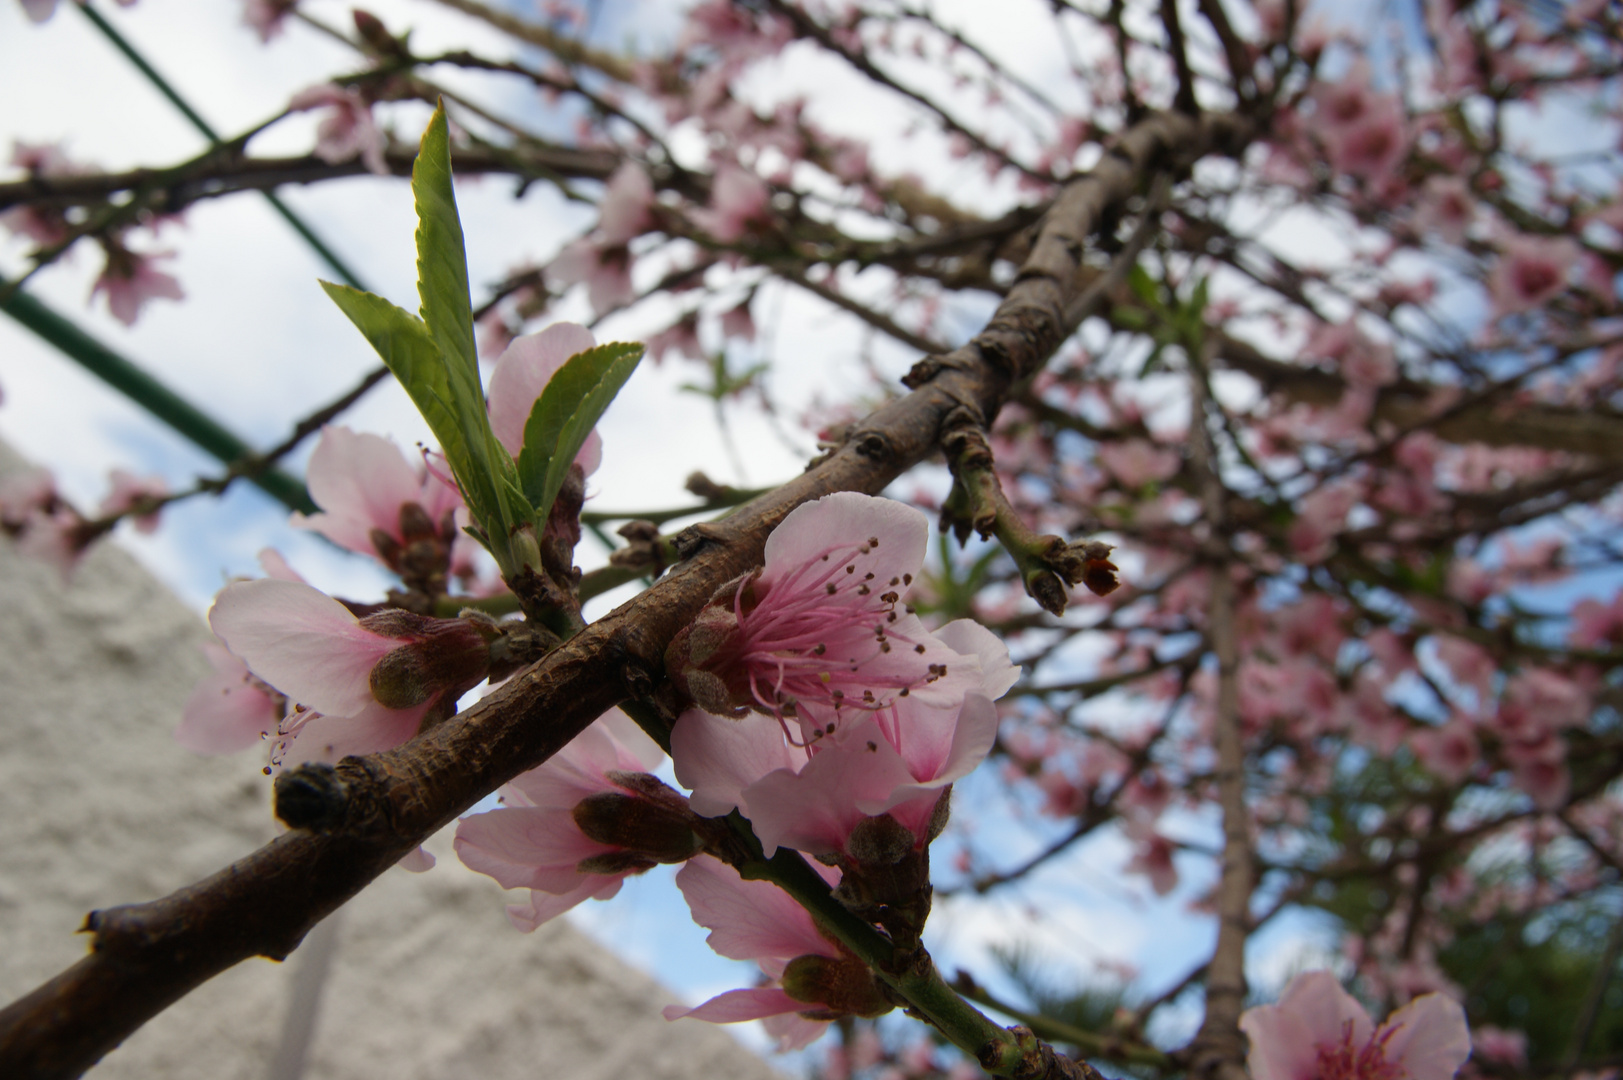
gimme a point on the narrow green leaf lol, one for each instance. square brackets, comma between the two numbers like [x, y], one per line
[409, 351]
[1200, 297]
[442, 288]
[442, 265]
[1145, 287]
[564, 416]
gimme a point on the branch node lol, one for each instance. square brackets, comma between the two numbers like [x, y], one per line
[312, 796]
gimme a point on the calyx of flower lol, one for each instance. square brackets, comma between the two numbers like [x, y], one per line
[649, 831]
[843, 986]
[439, 655]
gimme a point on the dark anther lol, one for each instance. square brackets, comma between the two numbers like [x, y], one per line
[312, 796]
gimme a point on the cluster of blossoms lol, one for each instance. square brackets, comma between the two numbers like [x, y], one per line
[820, 707]
[824, 712]
[321, 678]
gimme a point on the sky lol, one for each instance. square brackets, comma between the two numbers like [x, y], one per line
[257, 345]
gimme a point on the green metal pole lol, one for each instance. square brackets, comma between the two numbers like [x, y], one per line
[149, 393]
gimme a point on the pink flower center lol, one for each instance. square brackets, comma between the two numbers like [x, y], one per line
[825, 635]
[1343, 1061]
[1536, 277]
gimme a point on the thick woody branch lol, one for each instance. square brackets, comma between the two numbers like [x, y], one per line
[373, 810]
[1218, 1049]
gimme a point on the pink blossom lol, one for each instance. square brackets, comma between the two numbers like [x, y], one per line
[682, 335]
[736, 322]
[1499, 1046]
[1446, 208]
[522, 372]
[822, 628]
[885, 714]
[1152, 857]
[1372, 147]
[1321, 516]
[42, 525]
[45, 226]
[267, 16]
[1362, 362]
[1549, 700]
[24, 493]
[738, 200]
[1449, 752]
[348, 130]
[534, 840]
[1538, 765]
[230, 709]
[625, 212]
[1467, 663]
[131, 278]
[604, 268]
[1136, 462]
[128, 492]
[362, 483]
[39, 10]
[1319, 1032]
[755, 920]
[1596, 625]
[1530, 270]
[371, 681]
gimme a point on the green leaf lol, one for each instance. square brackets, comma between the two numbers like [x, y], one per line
[564, 415]
[409, 351]
[442, 288]
[1145, 287]
[1200, 297]
[442, 265]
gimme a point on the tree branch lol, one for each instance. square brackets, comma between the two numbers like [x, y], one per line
[1218, 1049]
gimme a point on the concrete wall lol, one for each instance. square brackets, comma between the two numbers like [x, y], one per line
[99, 806]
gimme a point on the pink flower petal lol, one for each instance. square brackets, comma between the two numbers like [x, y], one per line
[331, 738]
[1429, 1036]
[301, 641]
[227, 711]
[522, 372]
[736, 1006]
[361, 481]
[850, 518]
[525, 847]
[717, 758]
[544, 907]
[748, 920]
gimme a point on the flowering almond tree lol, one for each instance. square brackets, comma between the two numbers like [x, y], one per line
[1265, 368]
